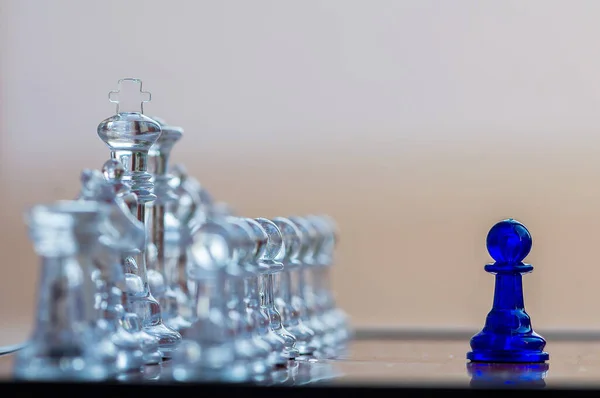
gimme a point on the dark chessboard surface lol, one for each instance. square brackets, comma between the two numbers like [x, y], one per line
[419, 363]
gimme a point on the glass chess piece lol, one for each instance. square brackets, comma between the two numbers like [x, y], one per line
[208, 352]
[67, 343]
[129, 135]
[341, 320]
[166, 232]
[308, 242]
[108, 275]
[99, 235]
[116, 282]
[287, 300]
[320, 280]
[278, 356]
[190, 210]
[194, 201]
[270, 266]
[508, 335]
[251, 352]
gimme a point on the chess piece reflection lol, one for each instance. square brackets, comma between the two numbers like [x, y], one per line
[507, 335]
[129, 135]
[506, 375]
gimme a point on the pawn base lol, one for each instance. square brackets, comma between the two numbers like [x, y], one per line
[508, 356]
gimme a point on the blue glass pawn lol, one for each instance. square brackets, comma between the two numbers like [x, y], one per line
[507, 335]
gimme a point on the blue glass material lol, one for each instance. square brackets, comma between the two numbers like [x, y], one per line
[507, 335]
[507, 375]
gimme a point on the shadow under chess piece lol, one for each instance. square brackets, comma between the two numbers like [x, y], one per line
[507, 335]
[507, 375]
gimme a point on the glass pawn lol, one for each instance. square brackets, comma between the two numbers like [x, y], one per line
[287, 300]
[337, 318]
[251, 351]
[270, 266]
[304, 259]
[208, 352]
[279, 356]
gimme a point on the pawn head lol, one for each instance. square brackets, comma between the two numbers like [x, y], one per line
[113, 170]
[291, 236]
[274, 239]
[260, 237]
[325, 233]
[509, 242]
[309, 237]
[243, 239]
[211, 247]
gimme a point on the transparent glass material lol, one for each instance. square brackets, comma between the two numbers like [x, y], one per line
[253, 292]
[112, 264]
[508, 335]
[269, 265]
[306, 290]
[251, 352]
[194, 201]
[332, 316]
[208, 352]
[67, 342]
[129, 135]
[286, 298]
[165, 232]
[189, 211]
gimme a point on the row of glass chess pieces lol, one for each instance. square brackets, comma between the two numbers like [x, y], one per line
[143, 268]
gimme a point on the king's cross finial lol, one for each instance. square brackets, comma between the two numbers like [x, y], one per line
[129, 96]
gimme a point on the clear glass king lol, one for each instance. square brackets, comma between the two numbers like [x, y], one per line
[129, 135]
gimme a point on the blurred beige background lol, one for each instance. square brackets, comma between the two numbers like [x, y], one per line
[416, 124]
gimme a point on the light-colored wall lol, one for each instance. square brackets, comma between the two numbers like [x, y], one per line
[416, 124]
